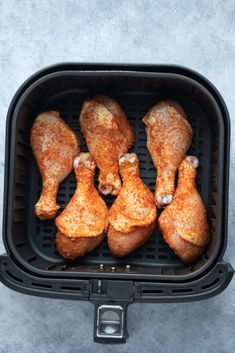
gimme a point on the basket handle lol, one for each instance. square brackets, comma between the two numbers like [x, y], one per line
[110, 323]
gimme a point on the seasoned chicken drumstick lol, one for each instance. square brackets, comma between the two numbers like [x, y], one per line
[133, 214]
[169, 136]
[55, 146]
[108, 136]
[183, 222]
[82, 224]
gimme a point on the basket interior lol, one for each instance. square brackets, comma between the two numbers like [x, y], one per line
[32, 240]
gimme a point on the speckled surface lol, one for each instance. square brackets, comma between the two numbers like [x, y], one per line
[197, 34]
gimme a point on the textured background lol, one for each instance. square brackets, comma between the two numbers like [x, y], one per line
[197, 34]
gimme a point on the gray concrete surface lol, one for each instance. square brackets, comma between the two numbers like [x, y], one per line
[197, 34]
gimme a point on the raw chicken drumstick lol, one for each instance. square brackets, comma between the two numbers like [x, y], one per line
[82, 224]
[183, 223]
[169, 136]
[133, 214]
[108, 136]
[55, 146]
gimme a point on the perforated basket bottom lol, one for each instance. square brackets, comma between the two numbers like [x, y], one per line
[155, 252]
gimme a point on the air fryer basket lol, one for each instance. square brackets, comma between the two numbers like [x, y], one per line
[33, 264]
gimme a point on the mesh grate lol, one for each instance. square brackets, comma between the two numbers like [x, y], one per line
[155, 252]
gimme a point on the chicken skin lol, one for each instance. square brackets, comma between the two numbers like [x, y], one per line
[55, 146]
[169, 136]
[82, 224]
[133, 214]
[108, 136]
[72, 248]
[183, 223]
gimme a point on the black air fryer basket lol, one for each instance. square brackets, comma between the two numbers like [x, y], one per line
[152, 273]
